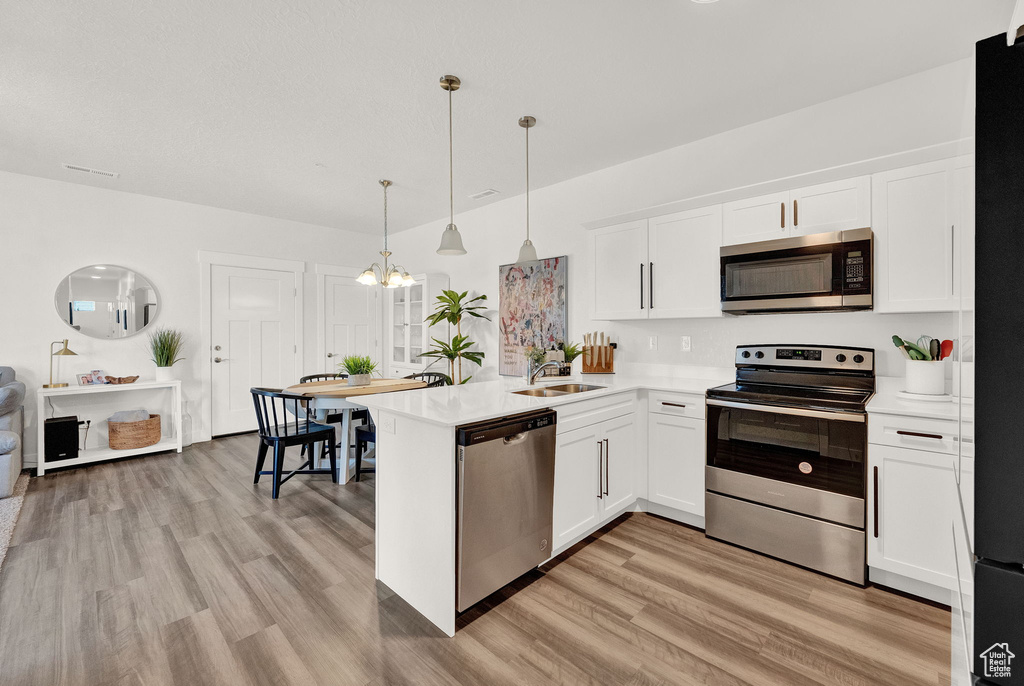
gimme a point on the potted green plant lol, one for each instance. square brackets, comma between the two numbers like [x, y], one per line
[571, 351]
[359, 369]
[166, 345]
[451, 308]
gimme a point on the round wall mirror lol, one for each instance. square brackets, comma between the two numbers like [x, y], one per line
[106, 301]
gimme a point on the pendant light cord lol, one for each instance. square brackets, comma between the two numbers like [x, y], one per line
[527, 183]
[451, 162]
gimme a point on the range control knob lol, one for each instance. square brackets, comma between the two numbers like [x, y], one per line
[759, 354]
[840, 358]
[746, 354]
[858, 358]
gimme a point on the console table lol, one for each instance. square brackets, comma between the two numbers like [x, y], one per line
[89, 455]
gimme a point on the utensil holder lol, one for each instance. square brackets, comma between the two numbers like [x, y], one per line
[926, 377]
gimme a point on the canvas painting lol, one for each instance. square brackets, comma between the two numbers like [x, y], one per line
[532, 310]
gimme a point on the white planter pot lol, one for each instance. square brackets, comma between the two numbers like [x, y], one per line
[926, 377]
[165, 374]
[358, 379]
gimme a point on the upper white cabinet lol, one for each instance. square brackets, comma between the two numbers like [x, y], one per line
[407, 334]
[666, 267]
[683, 264]
[916, 212]
[619, 264]
[755, 219]
[833, 206]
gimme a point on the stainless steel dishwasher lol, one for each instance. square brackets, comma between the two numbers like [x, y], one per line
[505, 485]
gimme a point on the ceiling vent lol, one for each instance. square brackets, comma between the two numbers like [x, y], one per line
[484, 194]
[88, 170]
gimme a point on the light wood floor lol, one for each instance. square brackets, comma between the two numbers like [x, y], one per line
[175, 569]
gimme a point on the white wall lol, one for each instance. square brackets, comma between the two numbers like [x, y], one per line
[50, 228]
[922, 110]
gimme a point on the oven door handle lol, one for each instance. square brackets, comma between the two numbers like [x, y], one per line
[817, 414]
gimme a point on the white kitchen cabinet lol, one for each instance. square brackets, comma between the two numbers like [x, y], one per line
[578, 486]
[911, 504]
[620, 465]
[596, 469]
[916, 212]
[675, 463]
[761, 218]
[683, 264]
[662, 268]
[619, 267]
[833, 206]
[407, 334]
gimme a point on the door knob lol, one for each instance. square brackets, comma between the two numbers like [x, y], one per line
[220, 359]
[330, 354]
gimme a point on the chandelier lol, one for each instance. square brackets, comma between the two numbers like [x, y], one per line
[388, 275]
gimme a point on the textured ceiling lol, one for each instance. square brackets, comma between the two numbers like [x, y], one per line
[294, 108]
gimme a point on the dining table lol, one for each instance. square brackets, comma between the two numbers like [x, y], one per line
[331, 397]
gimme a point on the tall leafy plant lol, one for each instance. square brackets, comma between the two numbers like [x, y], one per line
[452, 307]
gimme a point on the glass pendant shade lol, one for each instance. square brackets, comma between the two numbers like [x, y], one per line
[367, 278]
[394, 279]
[527, 253]
[451, 242]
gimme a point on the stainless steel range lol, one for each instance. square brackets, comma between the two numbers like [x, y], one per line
[786, 455]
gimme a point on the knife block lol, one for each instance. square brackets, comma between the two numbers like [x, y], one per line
[592, 359]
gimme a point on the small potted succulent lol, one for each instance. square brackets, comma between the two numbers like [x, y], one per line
[571, 351]
[166, 346]
[359, 369]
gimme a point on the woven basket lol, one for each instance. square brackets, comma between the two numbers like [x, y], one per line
[128, 435]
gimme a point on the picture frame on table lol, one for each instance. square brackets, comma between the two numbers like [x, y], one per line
[96, 377]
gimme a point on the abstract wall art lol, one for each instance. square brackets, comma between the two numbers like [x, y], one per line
[532, 311]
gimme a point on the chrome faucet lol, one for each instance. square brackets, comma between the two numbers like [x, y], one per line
[533, 372]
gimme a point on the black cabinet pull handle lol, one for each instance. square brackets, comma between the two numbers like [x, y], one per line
[782, 220]
[606, 466]
[916, 434]
[600, 470]
[796, 214]
[650, 279]
[641, 285]
[876, 502]
[672, 404]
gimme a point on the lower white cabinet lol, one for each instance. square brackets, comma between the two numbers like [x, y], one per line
[595, 476]
[675, 465]
[911, 501]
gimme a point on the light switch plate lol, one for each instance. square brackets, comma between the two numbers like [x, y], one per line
[387, 425]
[652, 343]
[684, 344]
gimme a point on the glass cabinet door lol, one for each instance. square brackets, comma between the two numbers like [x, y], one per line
[416, 327]
[400, 326]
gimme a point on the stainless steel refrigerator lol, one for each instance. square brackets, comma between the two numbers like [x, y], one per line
[997, 653]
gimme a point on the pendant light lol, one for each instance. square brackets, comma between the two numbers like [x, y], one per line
[527, 253]
[451, 239]
[390, 276]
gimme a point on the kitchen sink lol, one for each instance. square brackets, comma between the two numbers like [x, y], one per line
[560, 389]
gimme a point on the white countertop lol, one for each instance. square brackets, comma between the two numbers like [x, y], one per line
[887, 400]
[456, 405]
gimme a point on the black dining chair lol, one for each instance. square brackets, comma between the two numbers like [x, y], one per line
[433, 379]
[284, 419]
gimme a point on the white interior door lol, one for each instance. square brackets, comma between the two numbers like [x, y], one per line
[253, 323]
[350, 320]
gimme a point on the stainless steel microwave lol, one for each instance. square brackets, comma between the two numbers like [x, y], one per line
[818, 273]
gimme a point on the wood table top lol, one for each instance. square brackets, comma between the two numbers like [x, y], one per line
[339, 388]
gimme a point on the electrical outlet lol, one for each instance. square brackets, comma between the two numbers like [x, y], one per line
[684, 344]
[652, 343]
[387, 425]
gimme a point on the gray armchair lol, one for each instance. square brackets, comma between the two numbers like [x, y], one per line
[12, 426]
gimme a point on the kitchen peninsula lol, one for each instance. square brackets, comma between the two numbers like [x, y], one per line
[416, 470]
